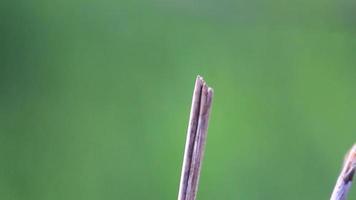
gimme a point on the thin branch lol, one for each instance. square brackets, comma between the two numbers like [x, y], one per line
[196, 138]
[344, 181]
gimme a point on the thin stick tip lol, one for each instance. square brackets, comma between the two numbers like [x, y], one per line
[211, 90]
[205, 89]
[200, 78]
[352, 153]
[354, 147]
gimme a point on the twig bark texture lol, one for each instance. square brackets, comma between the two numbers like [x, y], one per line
[195, 142]
[344, 181]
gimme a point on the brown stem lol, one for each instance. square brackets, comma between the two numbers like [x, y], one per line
[344, 181]
[196, 138]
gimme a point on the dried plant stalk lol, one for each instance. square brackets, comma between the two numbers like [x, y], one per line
[344, 181]
[196, 138]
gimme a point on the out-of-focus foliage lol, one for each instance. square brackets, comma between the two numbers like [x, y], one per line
[95, 97]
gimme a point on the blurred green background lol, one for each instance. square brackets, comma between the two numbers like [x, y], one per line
[95, 97]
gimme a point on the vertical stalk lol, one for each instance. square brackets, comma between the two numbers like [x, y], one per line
[196, 139]
[344, 181]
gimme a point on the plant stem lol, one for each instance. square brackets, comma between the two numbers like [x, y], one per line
[196, 139]
[344, 181]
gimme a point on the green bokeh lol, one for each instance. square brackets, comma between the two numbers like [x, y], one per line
[95, 97]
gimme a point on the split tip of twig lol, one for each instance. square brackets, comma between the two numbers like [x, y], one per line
[200, 80]
[354, 148]
[351, 155]
[210, 91]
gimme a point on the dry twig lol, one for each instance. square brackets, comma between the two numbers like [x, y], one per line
[344, 181]
[195, 142]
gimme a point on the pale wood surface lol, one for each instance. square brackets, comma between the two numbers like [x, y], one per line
[344, 181]
[196, 138]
